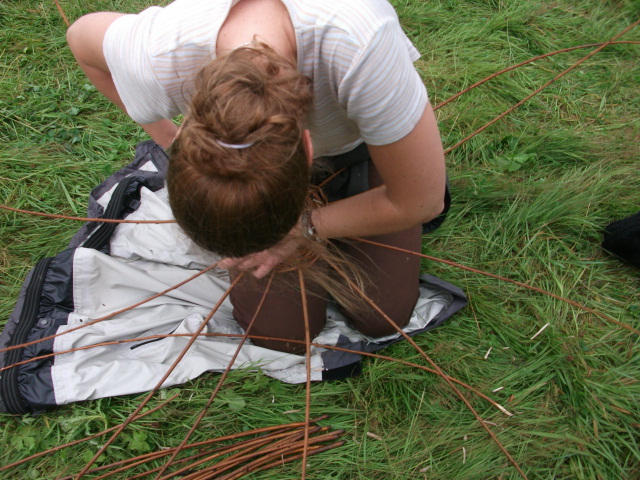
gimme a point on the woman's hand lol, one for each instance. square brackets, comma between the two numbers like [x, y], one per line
[263, 262]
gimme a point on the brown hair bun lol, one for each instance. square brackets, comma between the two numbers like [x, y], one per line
[238, 172]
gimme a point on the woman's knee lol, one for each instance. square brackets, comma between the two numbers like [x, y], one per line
[374, 324]
[279, 320]
[86, 35]
[289, 335]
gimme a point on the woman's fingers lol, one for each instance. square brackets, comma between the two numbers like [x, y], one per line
[263, 262]
[227, 263]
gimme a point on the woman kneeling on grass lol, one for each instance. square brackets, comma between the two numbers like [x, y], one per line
[268, 87]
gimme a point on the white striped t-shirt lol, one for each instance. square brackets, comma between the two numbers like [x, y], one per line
[360, 61]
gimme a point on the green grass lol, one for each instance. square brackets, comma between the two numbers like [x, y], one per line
[532, 194]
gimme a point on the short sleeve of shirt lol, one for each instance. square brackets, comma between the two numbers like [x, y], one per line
[382, 92]
[126, 50]
[154, 56]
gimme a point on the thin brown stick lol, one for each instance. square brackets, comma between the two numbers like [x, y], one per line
[433, 364]
[64, 17]
[307, 343]
[526, 62]
[505, 279]
[538, 90]
[82, 219]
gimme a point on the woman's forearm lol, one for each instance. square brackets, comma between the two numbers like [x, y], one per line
[413, 177]
[370, 213]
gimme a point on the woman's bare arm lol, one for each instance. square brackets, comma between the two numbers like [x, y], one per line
[414, 176]
[85, 38]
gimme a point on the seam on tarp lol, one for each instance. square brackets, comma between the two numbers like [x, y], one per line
[28, 317]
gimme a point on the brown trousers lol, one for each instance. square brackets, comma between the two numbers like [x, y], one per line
[390, 277]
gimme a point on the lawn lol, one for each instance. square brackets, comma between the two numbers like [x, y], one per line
[532, 193]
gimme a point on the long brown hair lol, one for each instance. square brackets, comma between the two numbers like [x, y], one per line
[238, 172]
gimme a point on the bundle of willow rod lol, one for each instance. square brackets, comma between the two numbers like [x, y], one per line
[251, 451]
